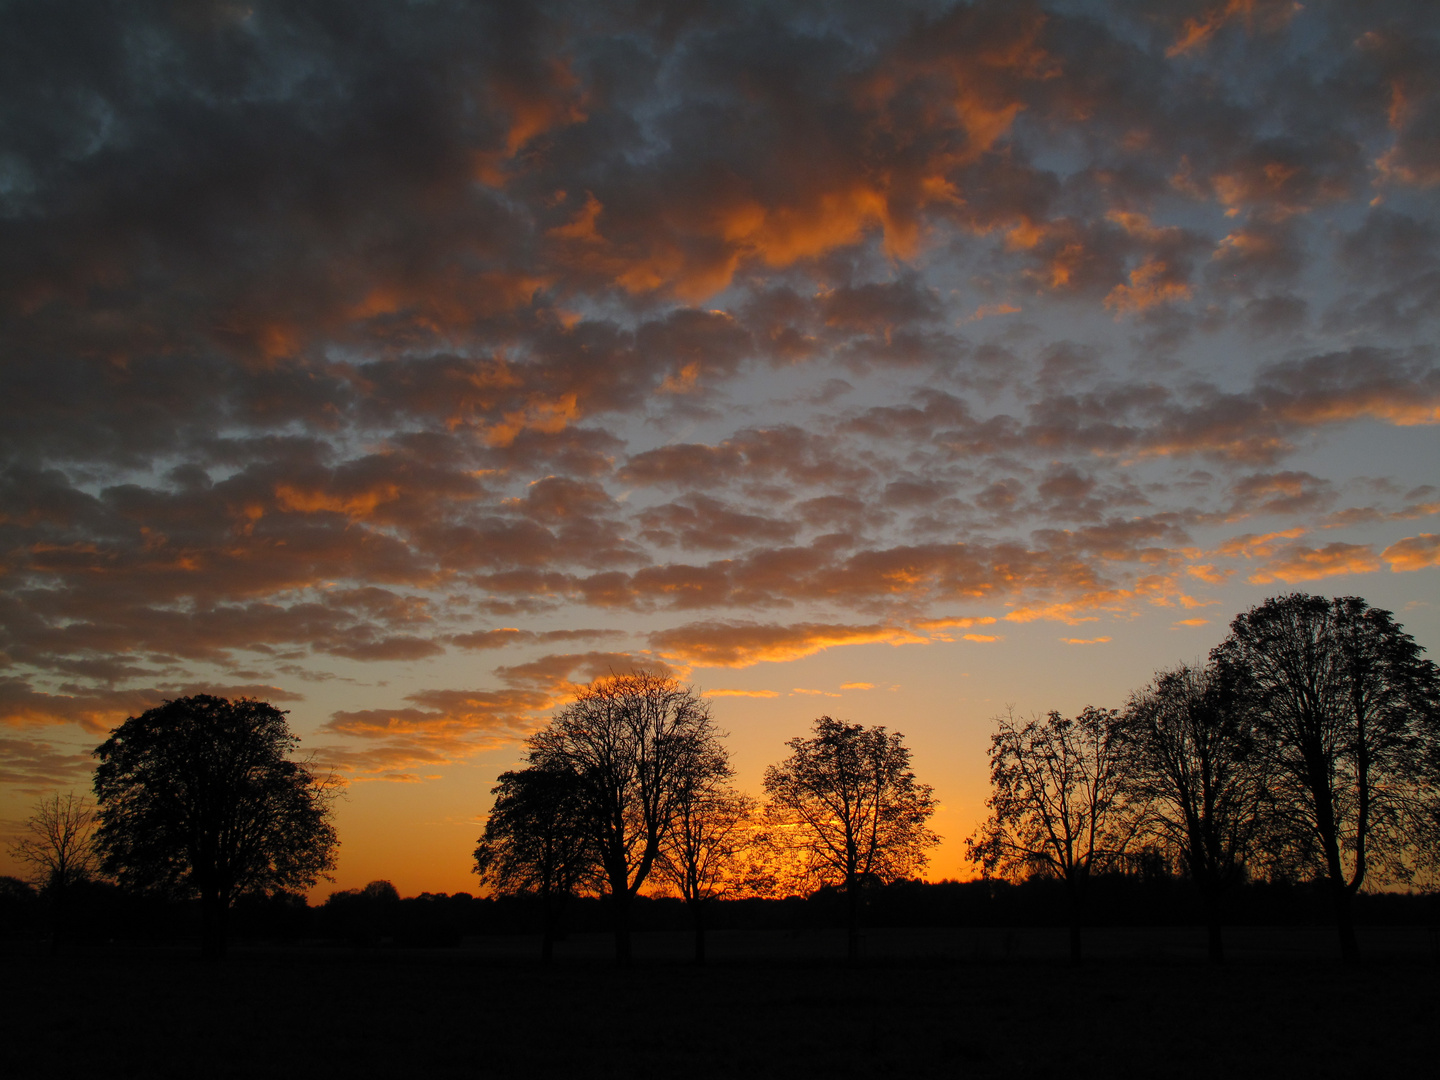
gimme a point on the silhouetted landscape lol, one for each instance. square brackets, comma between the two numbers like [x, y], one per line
[696, 538]
[453, 986]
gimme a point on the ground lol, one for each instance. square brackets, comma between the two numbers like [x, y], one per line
[922, 1003]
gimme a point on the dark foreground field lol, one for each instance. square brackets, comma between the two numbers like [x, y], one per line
[939, 1003]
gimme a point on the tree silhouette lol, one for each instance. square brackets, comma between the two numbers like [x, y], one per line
[1057, 803]
[634, 741]
[1196, 769]
[539, 839]
[701, 856]
[1349, 711]
[847, 803]
[59, 846]
[199, 798]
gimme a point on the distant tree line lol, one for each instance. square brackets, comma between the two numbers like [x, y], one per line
[1301, 763]
[1307, 749]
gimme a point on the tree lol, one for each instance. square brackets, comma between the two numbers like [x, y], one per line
[198, 797]
[1057, 804]
[851, 809]
[710, 835]
[633, 740]
[58, 845]
[363, 916]
[539, 839]
[1349, 711]
[1196, 769]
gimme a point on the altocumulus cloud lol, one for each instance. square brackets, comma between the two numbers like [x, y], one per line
[341, 341]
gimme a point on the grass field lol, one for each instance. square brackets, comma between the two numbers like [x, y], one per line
[922, 1003]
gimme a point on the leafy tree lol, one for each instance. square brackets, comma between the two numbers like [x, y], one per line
[365, 915]
[1057, 804]
[851, 809]
[198, 797]
[539, 839]
[1197, 771]
[712, 831]
[59, 846]
[1349, 712]
[634, 741]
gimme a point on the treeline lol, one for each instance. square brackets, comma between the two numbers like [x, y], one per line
[377, 917]
[1302, 760]
[1306, 749]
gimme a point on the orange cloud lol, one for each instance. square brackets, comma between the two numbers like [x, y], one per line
[1207, 573]
[957, 621]
[361, 504]
[1301, 563]
[1152, 282]
[986, 311]
[1413, 553]
[983, 637]
[857, 686]
[742, 693]
[548, 416]
[1193, 622]
[1085, 641]
[1251, 546]
[549, 99]
[1196, 32]
[737, 645]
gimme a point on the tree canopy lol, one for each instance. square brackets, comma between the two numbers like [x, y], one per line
[635, 742]
[1057, 803]
[199, 797]
[539, 839]
[851, 808]
[1199, 777]
[1348, 710]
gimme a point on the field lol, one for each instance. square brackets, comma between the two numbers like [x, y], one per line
[922, 1003]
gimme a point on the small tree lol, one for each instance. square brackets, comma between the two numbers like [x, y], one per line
[59, 846]
[1056, 805]
[199, 797]
[539, 839]
[1349, 712]
[702, 854]
[846, 802]
[1196, 769]
[634, 741]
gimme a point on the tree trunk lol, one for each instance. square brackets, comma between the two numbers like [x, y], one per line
[1212, 927]
[620, 909]
[1345, 925]
[547, 929]
[213, 910]
[852, 895]
[699, 916]
[57, 917]
[1077, 904]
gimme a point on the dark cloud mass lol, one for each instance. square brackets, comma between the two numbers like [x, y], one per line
[356, 336]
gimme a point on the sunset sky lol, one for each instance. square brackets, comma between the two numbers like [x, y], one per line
[405, 364]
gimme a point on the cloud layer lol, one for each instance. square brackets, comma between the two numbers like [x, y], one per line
[357, 337]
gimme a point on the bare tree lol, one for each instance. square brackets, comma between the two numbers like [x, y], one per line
[712, 831]
[1196, 769]
[539, 839]
[1057, 803]
[851, 809]
[634, 741]
[1349, 711]
[59, 846]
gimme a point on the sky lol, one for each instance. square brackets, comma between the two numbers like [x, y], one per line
[407, 364]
